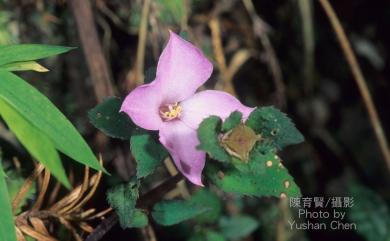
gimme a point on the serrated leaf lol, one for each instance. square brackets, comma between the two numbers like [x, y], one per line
[123, 198]
[41, 112]
[7, 226]
[28, 52]
[208, 132]
[370, 213]
[209, 199]
[107, 118]
[232, 121]
[173, 212]
[140, 219]
[148, 153]
[22, 66]
[237, 227]
[263, 175]
[274, 126]
[38, 144]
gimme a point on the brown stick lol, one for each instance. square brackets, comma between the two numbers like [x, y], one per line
[143, 31]
[219, 55]
[26, 186]
[360, 80]
[98, 68]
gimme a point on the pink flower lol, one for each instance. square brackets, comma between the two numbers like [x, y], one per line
[170, 105]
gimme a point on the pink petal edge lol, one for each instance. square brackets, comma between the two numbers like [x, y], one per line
[181, 69]
[181, 142]
[142, 105]
[211, 102]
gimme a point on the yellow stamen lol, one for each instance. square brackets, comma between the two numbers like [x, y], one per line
[170, 111]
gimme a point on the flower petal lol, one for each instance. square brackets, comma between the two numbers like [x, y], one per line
[181, 142]
[142, 105]
[182, 69]
[210, 102]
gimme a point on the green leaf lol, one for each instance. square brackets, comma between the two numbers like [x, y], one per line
[28, 52]
[214, 236]
[123, 198]
[140, 219]
[232, 121]
[22, 66]
[40, 112]
[175, 211]
[263, 175]
[206, 198]
[207, 235]
[38, 144]
[147, 152]
[7, 227]
[274, 126]
[107, 118]
[234, 228]
[208, 132]
[370, 213]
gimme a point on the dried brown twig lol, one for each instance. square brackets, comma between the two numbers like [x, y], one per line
[67, 211]
[97, 64]
[360, 80]
[143, 31]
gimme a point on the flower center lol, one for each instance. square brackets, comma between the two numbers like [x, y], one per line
[170, 111]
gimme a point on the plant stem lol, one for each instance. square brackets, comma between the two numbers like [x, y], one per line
[360, 80]
[97, 64]
[143, 31]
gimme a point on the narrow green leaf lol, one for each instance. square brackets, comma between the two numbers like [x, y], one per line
[7, 226]
[208, 132]
[263, 175]
[123, 199]
[370, 213]
[238, 227]
[173, 212]
[28, 52]
[39, 111]
[107, 118]
[274, 126]
[148, 153]
[22, 66]
[36, 142]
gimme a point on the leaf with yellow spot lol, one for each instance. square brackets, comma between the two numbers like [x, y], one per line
[23, 66]
[263, 175]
